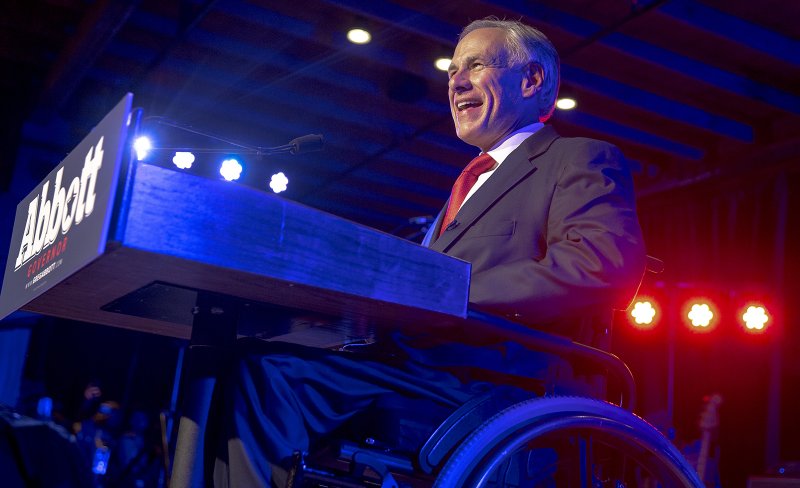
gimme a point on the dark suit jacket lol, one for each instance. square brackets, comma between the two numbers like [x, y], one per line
[552, 236]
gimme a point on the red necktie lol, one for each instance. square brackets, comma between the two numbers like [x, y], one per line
[463, 184]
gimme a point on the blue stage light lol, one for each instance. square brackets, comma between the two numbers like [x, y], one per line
[142, 145]
[230, 169]
[183, 159]
[44, 408]
[279, 182]
[100, 460]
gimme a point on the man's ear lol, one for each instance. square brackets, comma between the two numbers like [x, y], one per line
[533, 79]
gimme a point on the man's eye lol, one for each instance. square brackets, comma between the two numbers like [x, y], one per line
[476, 65]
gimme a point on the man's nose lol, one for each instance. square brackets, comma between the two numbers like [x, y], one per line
[459, 81]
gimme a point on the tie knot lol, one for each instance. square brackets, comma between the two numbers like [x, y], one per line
[480, 164]
[464, 183]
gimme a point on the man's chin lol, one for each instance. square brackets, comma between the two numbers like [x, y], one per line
[472, 141]
[469, 137]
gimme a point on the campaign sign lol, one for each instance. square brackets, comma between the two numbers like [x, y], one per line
[62, 225]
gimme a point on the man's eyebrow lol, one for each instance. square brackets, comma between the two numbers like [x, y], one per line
[466, 61]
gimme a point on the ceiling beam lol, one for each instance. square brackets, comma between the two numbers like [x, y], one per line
[734, 29]
[651, 102]
[637, 136]
[97, 28]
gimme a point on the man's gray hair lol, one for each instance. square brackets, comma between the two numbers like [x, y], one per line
[526, 44]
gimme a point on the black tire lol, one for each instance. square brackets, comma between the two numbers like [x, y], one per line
[615, 447]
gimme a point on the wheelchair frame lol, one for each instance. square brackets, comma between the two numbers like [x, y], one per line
[614, 447]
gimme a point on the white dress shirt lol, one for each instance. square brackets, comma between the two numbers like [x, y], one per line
[501, 151]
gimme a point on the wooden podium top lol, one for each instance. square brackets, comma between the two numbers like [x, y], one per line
[176, 233]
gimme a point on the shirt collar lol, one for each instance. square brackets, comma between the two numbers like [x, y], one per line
[500, 152]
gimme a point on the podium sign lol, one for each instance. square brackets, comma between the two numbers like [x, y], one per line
[62, 225]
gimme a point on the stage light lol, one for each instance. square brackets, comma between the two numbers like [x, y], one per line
[358, 36]
[443, 64]
[279, 182]
[230, 169]
[142, 146]
[183, 159]
[755, 318]
[644, 313]
[566, 103]
[100, 460]
[44, 407]
[702, 315]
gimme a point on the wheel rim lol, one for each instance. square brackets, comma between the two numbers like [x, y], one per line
[610, 433]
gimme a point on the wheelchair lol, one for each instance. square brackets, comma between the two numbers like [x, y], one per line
[503, 439]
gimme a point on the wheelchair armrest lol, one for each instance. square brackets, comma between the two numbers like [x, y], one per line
[561, 346]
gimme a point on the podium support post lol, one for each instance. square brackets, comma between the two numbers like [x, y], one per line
[212, 340]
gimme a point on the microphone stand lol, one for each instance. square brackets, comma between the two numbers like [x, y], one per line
[302, 144]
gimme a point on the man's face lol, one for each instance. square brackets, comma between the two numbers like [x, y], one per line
[486, 95]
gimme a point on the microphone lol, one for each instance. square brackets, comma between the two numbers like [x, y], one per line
[300, 145]
[306, 144]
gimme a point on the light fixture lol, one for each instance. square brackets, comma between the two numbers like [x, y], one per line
[142, 145]
[230, 169]
[359, 36]
[644, 313]
[701, 314]
[566, 103]
[279, 182]
[183, 159]
[443, 64]
[755, 318]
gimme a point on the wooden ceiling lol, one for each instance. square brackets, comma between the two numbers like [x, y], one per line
[692, 91]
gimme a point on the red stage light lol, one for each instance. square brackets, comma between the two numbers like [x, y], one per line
[754, 318]
[644, 313]
[701, 315]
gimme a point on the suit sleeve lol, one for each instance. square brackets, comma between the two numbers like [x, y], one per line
[595, 254]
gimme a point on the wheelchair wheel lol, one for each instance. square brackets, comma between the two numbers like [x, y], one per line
[566, 441]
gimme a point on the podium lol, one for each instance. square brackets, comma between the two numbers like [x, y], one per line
[112, 241]
[177, 234]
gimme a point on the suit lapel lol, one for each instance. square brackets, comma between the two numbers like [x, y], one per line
[518, 165]
[433, 230]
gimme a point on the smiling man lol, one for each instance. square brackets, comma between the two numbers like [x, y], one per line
[548, 224]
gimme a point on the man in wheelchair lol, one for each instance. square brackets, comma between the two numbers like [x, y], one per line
[550, 228]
